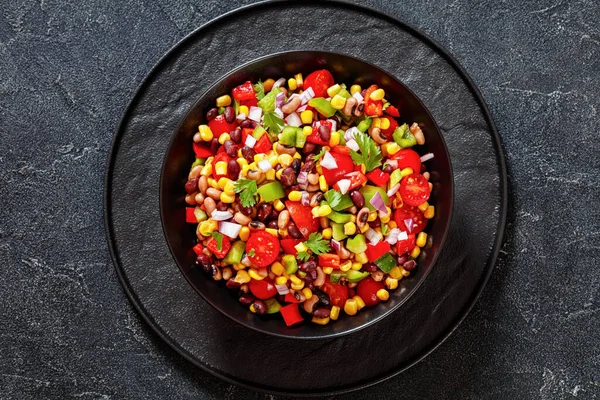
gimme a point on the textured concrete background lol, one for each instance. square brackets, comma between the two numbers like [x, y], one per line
[67, 71]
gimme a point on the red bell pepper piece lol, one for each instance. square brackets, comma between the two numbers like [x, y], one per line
[406, 245]
[214, 248]
[253, 102]
[245, 133]
[198, 249]
[341, 150]
[329, 260]
[219, 125]
[291, 314]
[244, 92]
[302, 217]
[356, 178]
[373, 252]
[263, 145]
[392, 111]
[378, 177]
[288, 246]
[190, 216]
[373, 108]
[202, 151]
[344, 165]
[393, 125]
[289, 298]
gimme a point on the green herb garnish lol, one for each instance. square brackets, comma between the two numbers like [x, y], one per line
[370, 154]
[318, 156]
[218, 238]
[273, 122]
[303, 256]
[259, 88]
[247, 190]
[333, 197]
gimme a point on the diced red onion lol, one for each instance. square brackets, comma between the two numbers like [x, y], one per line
[255, 113]
[392, 163]
[328, 161]
[250, 141]
[303, 186]
[344, 185]
[282, 289]
[350, 134]
[307, 95]
[279, 100]
[278, 112]
[316, 124]
[393, 190]
[358, 97]
[221, 215]
[352, 144]
[302, 108]
[240, 117]
[279, 82]
[333, 124]
[305, 199]
[377, 202]
[229, 229]
[392, 237]
[303, 177]
[372, 236]
[264, 165]
[293, 120]
[336, 245]
[410, 224]
[426, 157]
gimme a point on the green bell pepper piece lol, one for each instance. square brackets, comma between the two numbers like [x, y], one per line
[403, 137]
[386, 262]
[356, 276]
[365, 124]
[301, 274]
[338, 231]
[369, 191]
[395, 177]
[234, 256]
[273, 306]
[200, 214]
[345, 202]
[357, 244]
[290, 264]
[300, 139]
[258, 132]
[342, 140]
[339, 218]
[289, 134]
[198, 161]
[271, 191]
[267, 103]
[335, 276]
[323, 106]
[344, 93]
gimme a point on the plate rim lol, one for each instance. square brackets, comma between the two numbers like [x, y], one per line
[500, 228]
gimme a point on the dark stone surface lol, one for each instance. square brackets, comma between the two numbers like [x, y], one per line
[67, 72]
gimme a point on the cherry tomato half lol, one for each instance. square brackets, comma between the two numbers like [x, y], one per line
[262, 289]
[367, 290]
[319, 81]
[344, 166]
[266, 248]
[410, 212]
[244, 92]
[408, 158]
[288, 246]
[219, 125]
[406, 245]
[414, 189]
[338, 294]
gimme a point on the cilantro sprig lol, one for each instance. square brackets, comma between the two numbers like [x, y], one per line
[218, 238]
[273, 122]
[333, 197]
[247, 190]
[370, 154]
[259, 88]
[318, 156]
[316, 244]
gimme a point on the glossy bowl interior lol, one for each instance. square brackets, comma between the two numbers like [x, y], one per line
[181, 236]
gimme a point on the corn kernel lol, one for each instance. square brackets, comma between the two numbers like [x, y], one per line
[405, 272]
[229, 188]
[355, 89]
[242, 161]
[277, 268]
[254, 275]
[307, 130]
[392, 148]
[223, 101]
[245, 170]
[421, 239]
[205, 133]
[328, 270]
[350, 307]
[295, 195]
[208, 226]
[333, 90]
[324, 210]
[320, 321]
[315, 211]
[258, 158]
[323, 184]
[306, 116]
[430, 187]
[334, 140]
[307, 293]
[392, 224]
[334, 313]
[242, 277]
[349, 228]
[281, 280]
[244, 110]
[278, 204]
[206, 170]
[406, 171]
[297, 286]
[270, 175]
[285, 160]
[222, 182]
[319, 168]
[239, 266]
[360, 303]
[338, 102]
[221, 168]
[327, 233]
[384, 124]
[395, 272]
[372, 216]
[297, 156]
[300, 247]
[391, 283]
[224, 137]
[415, 252]
[376, 123]
[346, 266]
[272, 231]
[365, 228]
[361, 258]
[430, 212]
[423, 206]
[299, 80]
[356, 266]
[244, 233]
[383, 294]
[274, 159]
[252, 309]
[227, 198]
[292, 84]
[376, 95]
[283, 232]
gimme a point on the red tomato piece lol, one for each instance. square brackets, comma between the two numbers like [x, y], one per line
[289, 298]
[393, 125]
[373, 108]
[288, 245]
[378, 177]
[373, 252]
[344, 165]
[414, 189]
[253, 102]
[406, 245]
[218, 158]
[329, 260]
[244, 92]
[303, 218]
[406, 211]
[367, 290]
[190, 217]
[291, 314]
[262, 289]
[338, 294]
[202, 151]
[263, 145]
[219, 125]
[266, 248]
[198, 249]
[214, 248]
[319, 81]
[392, 111]
[408, 158]
[356, 178]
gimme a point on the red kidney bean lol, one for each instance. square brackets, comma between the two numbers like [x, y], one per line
[230, 148]
[222, 206]
[357, 198]
[236, 135]
[191, 186]
[272, 224]
[229, 114]
[248, 123]
[248, 153]
[308, 267]
[325, 133]
[410, 265]
[214, 145]
[260, 307]
[294, 232]
[370, 267]
[308, 166]
[388, 169]
[321, 312]
[231, 284]
[423, 168]
[402, 259]
[264, 210]
[296, 165]
[233, 170]
[212, 114]
[323, 298]
[288, 177]
[309, 148]
[247, 299]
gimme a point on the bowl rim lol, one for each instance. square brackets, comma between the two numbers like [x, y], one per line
[215, 304]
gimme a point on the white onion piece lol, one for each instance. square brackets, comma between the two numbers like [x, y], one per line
[392, 237]
[410, 224]
[229, 229]
[350, 134]
[255, 113]
[279, 82]
[392, 163]
[372, 236]
[250, 141]
[305, 199]
[293, 120]
[279, 100]
[302, 108]
[377, 202]
[240, 117]
[278, 112]
[307, 95]
[358, 97]
[393, 190]
[221, 215]
[352, 145]
[302, 177]
[344, 185]
[403, 235]
[282, 289]
[264, 165]
[328, 161]
[426, 157]
[333, 124]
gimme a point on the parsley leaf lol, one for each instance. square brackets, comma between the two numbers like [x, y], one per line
[317, 244]
[273, 122]
[251, 253]
[333, 197]
[321, 154]
[370, 155]
[259, 88]
[303, 256]
[248, 190]
[218, 238]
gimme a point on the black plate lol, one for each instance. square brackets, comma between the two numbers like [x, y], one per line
[181, 236]
[203, 335]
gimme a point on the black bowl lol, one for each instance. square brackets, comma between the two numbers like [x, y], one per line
[181, 236]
